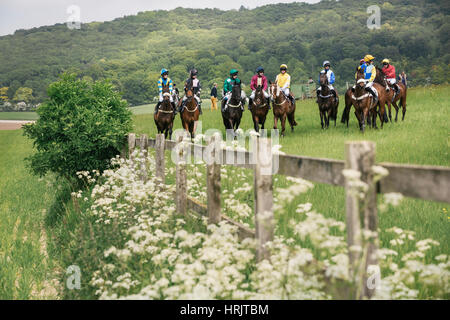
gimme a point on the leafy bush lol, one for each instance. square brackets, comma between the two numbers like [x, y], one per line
[81, 126]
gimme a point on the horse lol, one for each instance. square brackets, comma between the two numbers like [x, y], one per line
[190, 113]
[349, 101]
[232, 115]
[401, 96]
[165, 115]
[282, 108]
[348, 106]
[328, 104]
[363, 101]
[260, 109]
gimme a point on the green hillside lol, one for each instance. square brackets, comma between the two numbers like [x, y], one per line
[131, 50]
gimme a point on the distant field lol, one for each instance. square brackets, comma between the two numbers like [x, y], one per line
[18, 116]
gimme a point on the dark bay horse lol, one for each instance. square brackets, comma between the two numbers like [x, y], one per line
[282, 108]
[165, 115]
[233, 113]
[365, 106]
[328, 105]
[190, 113]
[401, 97]
[260, 109]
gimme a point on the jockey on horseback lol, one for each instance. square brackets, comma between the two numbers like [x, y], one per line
[259, 79]
[389, 72]
[164, 81]
[331, 79]
[194, 83]
[283, 80]
[370, 73]
[228, 87]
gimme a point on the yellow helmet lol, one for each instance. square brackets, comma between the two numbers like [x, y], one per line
[368, 58]
[283, 66]
[385, 61]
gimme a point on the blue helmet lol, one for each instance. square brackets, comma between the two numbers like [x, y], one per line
[164, 71]
[259, 69]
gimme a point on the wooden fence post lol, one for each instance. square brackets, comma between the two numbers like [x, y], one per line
[160, 159]
[263, 188]
[131, 144]
[144, 150]
[361, 213]
[181, 179]
[213, 183]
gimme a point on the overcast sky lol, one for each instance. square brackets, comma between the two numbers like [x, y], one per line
[25, 14]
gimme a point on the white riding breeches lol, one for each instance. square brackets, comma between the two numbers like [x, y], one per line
[391, 81]
[196, 98]
[266, 94]
[285, 91]
[330, 86]
[161, 98]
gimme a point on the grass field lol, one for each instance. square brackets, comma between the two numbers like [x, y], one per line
[423, 138]
[26, 270]
[18, 116]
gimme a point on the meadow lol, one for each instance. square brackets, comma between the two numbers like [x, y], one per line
[27, 201]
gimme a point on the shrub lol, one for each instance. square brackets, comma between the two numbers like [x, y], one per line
[80, 127]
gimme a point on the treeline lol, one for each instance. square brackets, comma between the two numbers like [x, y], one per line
[131, 50]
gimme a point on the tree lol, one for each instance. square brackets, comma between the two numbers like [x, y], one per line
[23, 94]
[80, 128]
[4, 94]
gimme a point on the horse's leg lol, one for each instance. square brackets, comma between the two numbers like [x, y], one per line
[291, 120]
[382, 112]
[275, 121]
[283, 124]
[321, 118]
[256, 123]
[403, 102]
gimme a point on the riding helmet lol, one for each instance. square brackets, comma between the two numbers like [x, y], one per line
[259, 69]
[368, 58]
[283, 67]
[361, 61]
[233, 72]
[164, 71]
[194, 72]
[326, 63]
[385, 61]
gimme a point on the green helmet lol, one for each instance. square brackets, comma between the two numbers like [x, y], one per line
[233, 72]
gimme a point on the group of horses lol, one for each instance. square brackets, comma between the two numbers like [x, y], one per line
[366, 106]
[232, 110]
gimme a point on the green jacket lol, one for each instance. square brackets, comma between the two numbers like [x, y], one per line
[229, 83]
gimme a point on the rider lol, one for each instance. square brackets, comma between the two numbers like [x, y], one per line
[163, 81]
[370, 73]
[259, 79]
[331, 79]
[389, 72]
[194, 83]
[283, 80]
[228, 87]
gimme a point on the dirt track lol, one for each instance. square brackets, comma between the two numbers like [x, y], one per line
[12, 124]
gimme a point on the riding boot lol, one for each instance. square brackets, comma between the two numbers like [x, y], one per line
[157, 107]
[268, 102]
[250, 101]
[335, 96]
[370, 90]
[200, 108]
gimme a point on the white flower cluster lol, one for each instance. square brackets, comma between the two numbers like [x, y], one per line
[159, 255]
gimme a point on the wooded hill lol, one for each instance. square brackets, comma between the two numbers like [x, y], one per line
[132, 50]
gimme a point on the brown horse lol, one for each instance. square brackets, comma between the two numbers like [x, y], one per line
[348, 106]
[282, 108]
[232, 115]
[165, 115]
[260, 109]
[190, 113]
[328, 104]
[365, 106]
[401, 96]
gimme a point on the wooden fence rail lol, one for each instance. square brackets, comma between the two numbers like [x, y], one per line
[423, 182]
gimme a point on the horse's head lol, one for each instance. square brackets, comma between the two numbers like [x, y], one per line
[323, 79]
[236, 91]
[274, 91]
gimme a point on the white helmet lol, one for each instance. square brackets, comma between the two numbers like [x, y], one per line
[326, 62]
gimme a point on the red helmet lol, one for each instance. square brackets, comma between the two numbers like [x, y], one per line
[361, 61]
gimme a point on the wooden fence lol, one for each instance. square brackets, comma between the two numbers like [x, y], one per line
[423, 182]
